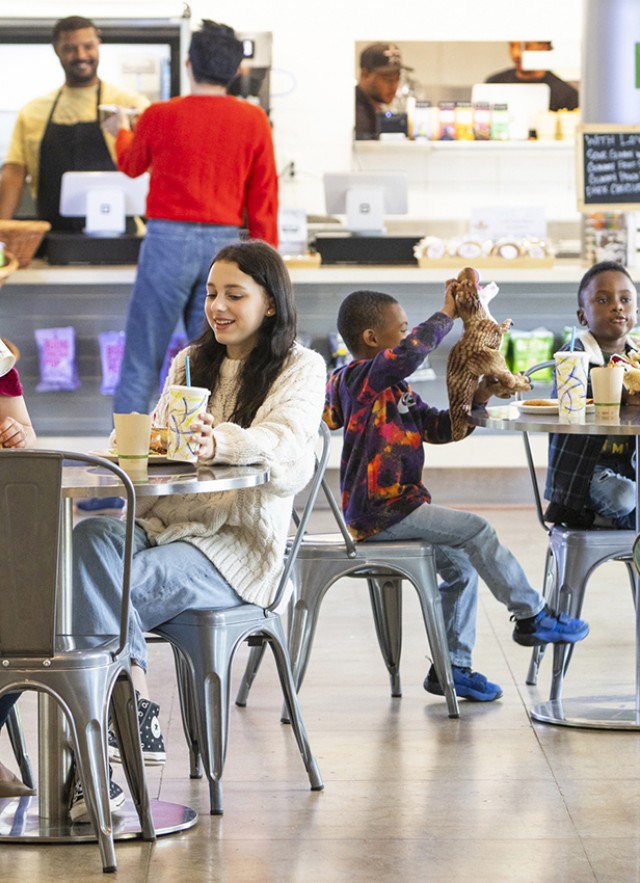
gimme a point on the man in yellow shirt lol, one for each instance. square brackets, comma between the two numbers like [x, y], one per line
[60, 131]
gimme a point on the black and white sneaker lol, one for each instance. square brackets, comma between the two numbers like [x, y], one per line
[153, 751]
[78, 807]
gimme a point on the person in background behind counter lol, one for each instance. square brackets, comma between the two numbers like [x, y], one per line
[60, 132]
[380, 67]
[211, 161]
[563, 96]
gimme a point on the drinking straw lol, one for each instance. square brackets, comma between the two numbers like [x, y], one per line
[187, 370]
[571, 345]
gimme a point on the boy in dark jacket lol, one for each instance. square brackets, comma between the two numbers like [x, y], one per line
[591, 478]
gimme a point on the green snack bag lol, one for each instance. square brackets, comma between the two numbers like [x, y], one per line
[528, 348]
[505, 349]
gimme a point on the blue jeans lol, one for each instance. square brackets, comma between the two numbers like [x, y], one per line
[466, 546]
[170, 284]
[165, 581]
[613, 496]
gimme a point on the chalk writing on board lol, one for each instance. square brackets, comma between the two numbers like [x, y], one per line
[609, 167]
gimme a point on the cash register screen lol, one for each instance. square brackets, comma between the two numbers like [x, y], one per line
[103, 198]
[366, 197]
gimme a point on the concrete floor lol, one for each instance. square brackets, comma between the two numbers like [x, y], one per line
[409, 794]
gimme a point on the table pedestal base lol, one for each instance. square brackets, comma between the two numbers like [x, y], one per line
[20, 822]
[594, 712]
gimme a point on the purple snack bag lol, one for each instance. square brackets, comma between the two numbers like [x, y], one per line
[177, 343]
[57, 357]
[111, 351]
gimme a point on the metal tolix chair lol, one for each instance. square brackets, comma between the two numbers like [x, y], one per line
[83, 674]
[204, 643]
[572, 556]
[323, 559]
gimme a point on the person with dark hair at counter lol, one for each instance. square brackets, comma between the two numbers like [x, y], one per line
[60, 132]
[563, 95]
[212, 164]
[380, 67]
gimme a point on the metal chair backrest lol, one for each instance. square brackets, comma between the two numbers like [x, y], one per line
[31, 514]
[301, 521]
[537, 495]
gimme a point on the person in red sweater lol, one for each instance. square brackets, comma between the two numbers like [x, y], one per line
[211, 161]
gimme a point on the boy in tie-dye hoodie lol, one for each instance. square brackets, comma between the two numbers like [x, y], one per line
[383, 496]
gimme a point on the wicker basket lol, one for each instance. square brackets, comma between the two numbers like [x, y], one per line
[10, 265]
[22, 238]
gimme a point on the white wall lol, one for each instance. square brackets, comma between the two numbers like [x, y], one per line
[313, 51]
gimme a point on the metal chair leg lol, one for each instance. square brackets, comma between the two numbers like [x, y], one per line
[386, 603]
[19, 746]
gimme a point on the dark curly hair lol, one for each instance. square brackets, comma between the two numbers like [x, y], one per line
[361, 310]
[215, 53]
[596, 269]
[275, 336]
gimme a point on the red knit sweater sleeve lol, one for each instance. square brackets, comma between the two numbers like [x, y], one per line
[211, 161]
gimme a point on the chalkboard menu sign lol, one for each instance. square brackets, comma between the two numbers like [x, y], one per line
[608, 167]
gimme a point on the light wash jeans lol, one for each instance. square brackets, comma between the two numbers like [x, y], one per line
[466, 546]
[165, 581]
[170, 284]
[613, 496]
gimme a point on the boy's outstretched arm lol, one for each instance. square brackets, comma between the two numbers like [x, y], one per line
[449, 307]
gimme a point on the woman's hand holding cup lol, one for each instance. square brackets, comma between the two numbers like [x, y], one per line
[206, 441]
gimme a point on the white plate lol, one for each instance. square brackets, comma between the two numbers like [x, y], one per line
[546, 409]
[113, 456]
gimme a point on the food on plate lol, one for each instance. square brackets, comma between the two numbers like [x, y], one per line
[539, 403]
[544, 403]
[158, 441]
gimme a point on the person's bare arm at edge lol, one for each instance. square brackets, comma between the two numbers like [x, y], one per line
[16, 430]
[11, 184]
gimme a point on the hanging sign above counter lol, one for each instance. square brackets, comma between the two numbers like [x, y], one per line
[608, 167]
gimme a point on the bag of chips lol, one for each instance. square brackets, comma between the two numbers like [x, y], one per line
[111, 351]
[178, 342]
[57, 359]
[528, 348]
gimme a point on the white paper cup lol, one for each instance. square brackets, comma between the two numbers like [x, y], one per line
[186, 403]
[571, 380]
[133, 432]
[7, 359]
[606, 386]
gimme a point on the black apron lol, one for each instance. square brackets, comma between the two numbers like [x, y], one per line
[76, 148]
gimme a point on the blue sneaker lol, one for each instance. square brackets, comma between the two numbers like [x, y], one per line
[549, 627]
[98, 504]
[468, 685]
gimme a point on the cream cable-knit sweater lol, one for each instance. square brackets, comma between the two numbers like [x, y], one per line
[244, 532]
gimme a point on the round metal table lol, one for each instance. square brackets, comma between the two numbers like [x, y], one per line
[596, 712]
[44, 818]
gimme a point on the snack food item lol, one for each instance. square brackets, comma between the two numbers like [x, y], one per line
[158, 440]
[539, 403]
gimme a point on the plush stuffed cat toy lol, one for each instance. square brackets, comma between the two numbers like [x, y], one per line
[476, 353]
